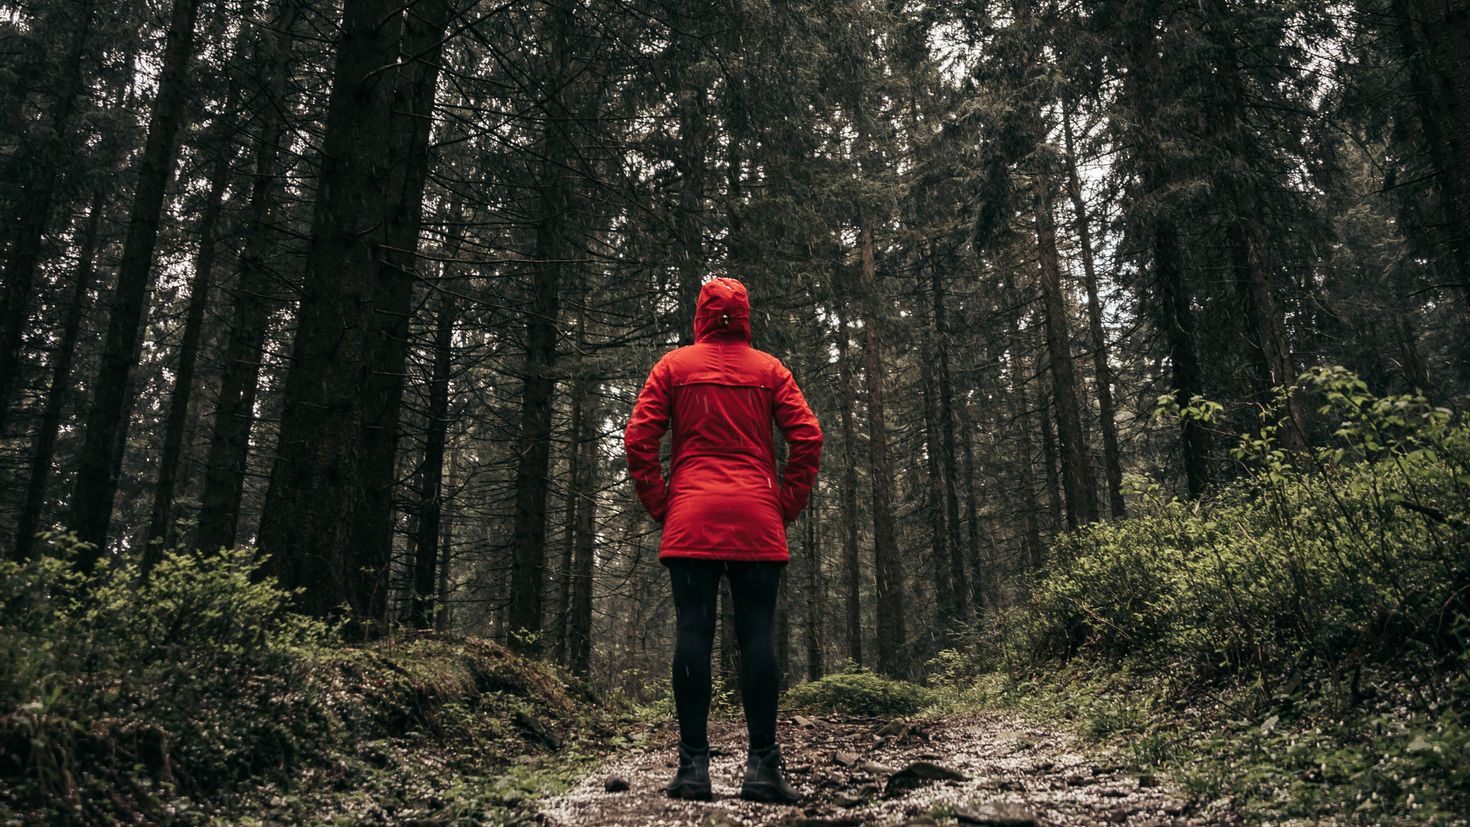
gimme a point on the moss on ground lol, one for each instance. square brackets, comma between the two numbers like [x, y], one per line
[860, 692]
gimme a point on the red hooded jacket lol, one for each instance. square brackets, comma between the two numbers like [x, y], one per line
[723, 500]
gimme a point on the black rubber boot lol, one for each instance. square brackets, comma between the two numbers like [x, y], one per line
[763, 781]
[691, 782]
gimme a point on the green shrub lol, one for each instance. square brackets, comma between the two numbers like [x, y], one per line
[1352, 553]
[121, 697]
[860, 692]
[192, 679]
[1300, 637]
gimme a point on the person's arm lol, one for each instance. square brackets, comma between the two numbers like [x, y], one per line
[641, 440]
[804, 443]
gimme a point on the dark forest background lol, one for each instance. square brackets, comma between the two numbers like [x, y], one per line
[371, 286]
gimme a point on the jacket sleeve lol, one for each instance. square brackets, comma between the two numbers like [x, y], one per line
[804, 442]
[641, 440]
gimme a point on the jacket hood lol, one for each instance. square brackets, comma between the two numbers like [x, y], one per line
[723, 311]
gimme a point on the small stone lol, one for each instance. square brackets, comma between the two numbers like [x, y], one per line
[846, 759]
[1147, 780]
[615, 784]
[1077, 780]
[1120, 815]
[1174, 806]
[803, 721]
[919, 774]
[1003, 814]
[893, 727]
[848, 799]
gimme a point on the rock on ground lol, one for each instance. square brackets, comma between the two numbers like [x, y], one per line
[997, 769]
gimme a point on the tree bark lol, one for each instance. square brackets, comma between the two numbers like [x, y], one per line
[1173, 299]
[579, 621]
[312, 499]
[106, 430]
[892, 635]
[1078, 484]
[1435, 39]
[229, 445]
[814, 601]
[34, 209]
[946, 610]
[160, 531]
[577, 434]
[43, 444]
[528, 533]
[852, 574]
[1112, 457]
[410, 121]
[948, 456]
[431, 496]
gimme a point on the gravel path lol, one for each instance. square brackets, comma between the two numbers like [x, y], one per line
[1007, 771]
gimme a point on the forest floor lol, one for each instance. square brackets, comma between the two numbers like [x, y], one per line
[980, 768]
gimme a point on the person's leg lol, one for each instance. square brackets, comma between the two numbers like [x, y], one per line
[696, 585]
[754, 587]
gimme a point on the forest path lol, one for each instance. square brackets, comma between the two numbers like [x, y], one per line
[1014, 772]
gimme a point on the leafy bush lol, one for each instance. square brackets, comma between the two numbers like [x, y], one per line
[1358, 551]
[860, 692]
[1302, 635]
[124, 699]
[193, 678]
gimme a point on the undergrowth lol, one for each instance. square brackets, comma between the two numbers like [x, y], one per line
[1297, 641]
[197, 696]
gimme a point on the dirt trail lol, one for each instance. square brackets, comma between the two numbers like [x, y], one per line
[1013, 773]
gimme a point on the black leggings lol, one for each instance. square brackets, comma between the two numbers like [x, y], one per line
[753, 587]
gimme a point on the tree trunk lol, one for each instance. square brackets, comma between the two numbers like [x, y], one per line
[1173, 300]
[1078, 484]
[229, 445]
[948, 456]
[431, 496]
[1112, 457]
[28, 225]
[311, 502]
[160, 530]
[577, 434]
[528, 534]
[690, 164]
[410, 121]
[814, 597]
[43, 444]
[1247, 239]
[981, 571]
[106, 432]
[1435, 38]
[892, 637]
[852, 573]
[1025, 462]
[579, 621]
[442, 617]
[946, 611]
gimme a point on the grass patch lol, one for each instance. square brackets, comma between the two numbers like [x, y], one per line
[860, 692]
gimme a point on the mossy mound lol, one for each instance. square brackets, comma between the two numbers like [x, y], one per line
[198, 695]
[860, 692]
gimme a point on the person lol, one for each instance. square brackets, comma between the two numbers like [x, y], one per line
[724, 513]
